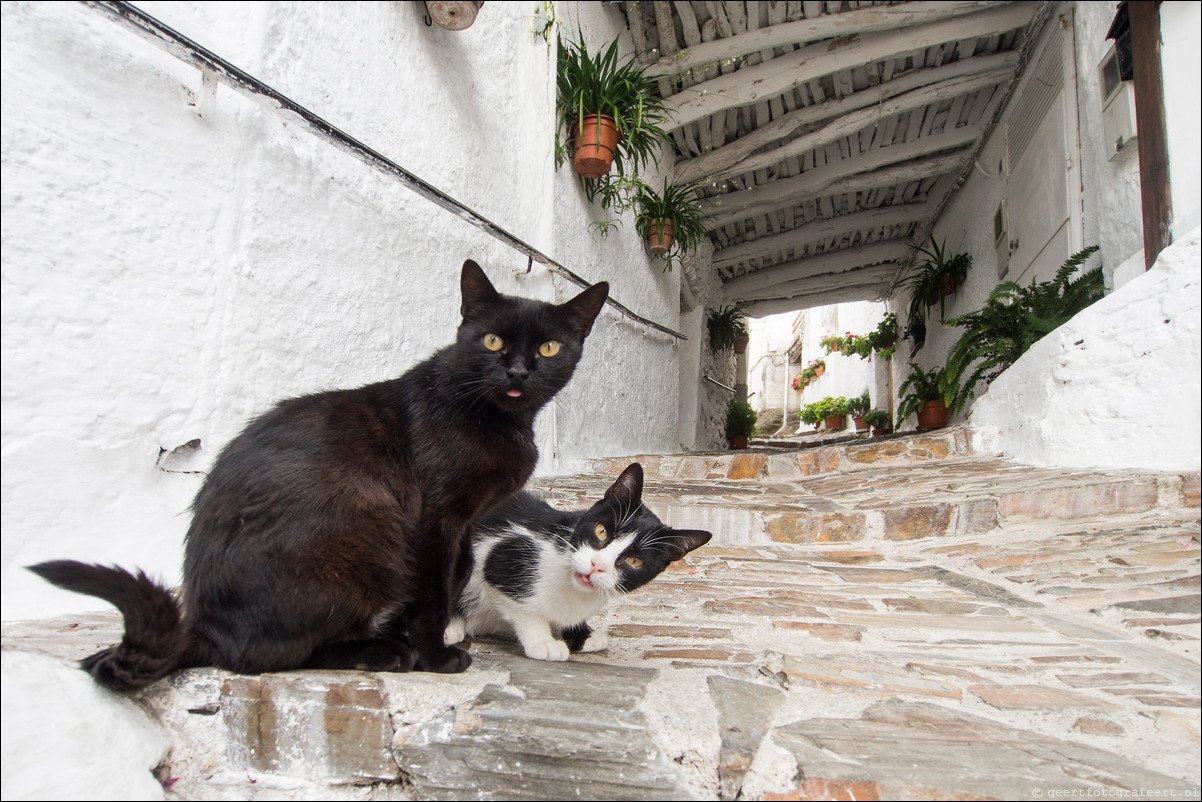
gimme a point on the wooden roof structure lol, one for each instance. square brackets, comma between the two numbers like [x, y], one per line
[825, 138]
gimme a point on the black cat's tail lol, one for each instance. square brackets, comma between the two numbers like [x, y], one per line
[156, 639]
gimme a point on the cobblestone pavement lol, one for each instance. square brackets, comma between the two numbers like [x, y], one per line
[914, 623]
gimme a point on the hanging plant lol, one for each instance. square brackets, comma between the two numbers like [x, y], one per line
[670, 221]
[937, 277]
[726, 326]
[611, 110]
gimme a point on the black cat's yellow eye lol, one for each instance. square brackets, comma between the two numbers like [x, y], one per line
[633, 562]
[493, 343]
[601, 532]
[549, 348]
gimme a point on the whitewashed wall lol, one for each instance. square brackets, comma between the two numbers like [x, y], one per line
[845, 375]
[1180, 22]
[176, 261]
[1117, 386]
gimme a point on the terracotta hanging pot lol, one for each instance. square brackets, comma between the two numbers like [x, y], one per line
[834, 423]
[595, 142]
[947, 285]
[660, 234]
[819, 370]
[933, 415]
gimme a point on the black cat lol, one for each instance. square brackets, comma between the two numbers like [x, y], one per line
[334, 531]
[540, 573]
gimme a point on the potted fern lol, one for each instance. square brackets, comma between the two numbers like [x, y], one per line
[670, 221]
[1015, 317]
[931, 395]
[740, 423]
[611, 109]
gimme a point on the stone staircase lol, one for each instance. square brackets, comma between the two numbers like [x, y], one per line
[892, 618]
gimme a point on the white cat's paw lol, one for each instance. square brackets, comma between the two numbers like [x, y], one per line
[596, 642]
[455, 632]
[550, 649]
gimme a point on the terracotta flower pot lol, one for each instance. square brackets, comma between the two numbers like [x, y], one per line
[595, 142]
[881, 432]
[660, 234]
[834, 423]
[819, 370]
[861, 426]
[947, 286]
[933, 415]
[738, 441]
[741, 343]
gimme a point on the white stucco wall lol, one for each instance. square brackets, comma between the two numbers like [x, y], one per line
[1117, 386]
[845, 375]
[176, 261]
[1108, 198]
[1180, 22]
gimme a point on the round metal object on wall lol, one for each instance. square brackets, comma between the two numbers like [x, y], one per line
[454, 15]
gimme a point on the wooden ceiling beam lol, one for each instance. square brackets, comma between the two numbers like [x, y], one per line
[802, 270]
[881, 167]
[875, 275]
[767, 80]
[729, 159]
[838, 295]
[822, 229]
[864, 20]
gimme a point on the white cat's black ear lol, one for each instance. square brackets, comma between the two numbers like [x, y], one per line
[627, 489]
[585, 307]
[682, 541]
[476, 290]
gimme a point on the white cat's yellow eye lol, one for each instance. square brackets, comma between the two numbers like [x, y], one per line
[634, 562]
[549, 348]
[493, 343]
[601, 532]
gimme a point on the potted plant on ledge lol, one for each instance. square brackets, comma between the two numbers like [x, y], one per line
[833, 410]
[740, 423]
[931, 394]
[611, 109]
[858, 407]
[670, 222]
[878, 419]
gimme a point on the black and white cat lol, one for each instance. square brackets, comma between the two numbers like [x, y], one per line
[540, 573]
[334, 531]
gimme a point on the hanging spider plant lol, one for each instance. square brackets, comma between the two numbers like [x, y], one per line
[670, 221]
[608, 86]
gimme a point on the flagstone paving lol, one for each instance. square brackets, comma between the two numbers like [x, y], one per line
[918, 623]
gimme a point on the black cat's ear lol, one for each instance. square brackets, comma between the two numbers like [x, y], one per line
[476, 290]
[681, 541]
[584, 308]
[627, 489]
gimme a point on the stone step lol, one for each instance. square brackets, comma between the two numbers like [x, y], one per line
[882, 501]
[784, 460]
[982, 667]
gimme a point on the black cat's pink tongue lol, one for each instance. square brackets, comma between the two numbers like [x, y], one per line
[514, 393]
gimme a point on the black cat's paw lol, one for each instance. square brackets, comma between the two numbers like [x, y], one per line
[576, 636]
[448, 660]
